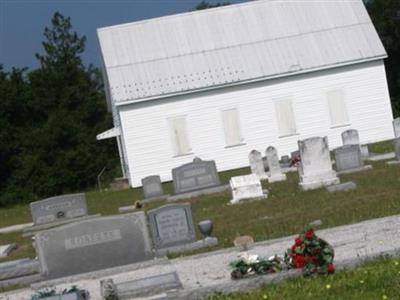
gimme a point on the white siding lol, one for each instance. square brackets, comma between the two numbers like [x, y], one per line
[147, 131]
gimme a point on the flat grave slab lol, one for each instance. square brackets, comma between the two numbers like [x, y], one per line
[341, 187]
[246, 188]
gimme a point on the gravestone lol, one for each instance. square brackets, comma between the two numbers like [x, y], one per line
[397, 148]
[350, 137]
[245, 187]
[172, 225]
[195, 176]
[315, 168]
[275, 172]
[5, 250]
[93, 244]
[396, 127]
[152, 187]
[285, 161]
[58, 208]
[348, 157]
[141, 287]
[257, 164]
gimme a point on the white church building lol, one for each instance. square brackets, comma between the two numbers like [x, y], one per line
[220, 82]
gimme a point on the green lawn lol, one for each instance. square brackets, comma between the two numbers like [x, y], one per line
[285, 212]
[374, 280]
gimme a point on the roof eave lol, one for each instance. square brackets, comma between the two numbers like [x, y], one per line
[214, 87]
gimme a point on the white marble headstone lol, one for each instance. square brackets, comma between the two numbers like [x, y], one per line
[396, 127]
[245, 187]
[275, 172]
[315, 169]
[350, 137]
[257, 164]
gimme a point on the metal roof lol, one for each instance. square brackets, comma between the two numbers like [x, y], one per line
[234, 44]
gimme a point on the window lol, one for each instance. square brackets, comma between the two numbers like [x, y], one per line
[337, 108]
[285, 117]
[230, 120]
[180, 139]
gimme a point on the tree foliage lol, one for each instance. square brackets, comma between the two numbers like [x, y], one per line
[205, 5]
[385, 14]
[50, 119]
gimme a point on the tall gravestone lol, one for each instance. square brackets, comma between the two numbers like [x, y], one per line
[94, 244]
[172, 225]
[152, 187]
[396, 127]
[348, 157]
[257, 164]
[275, 172]
[58, 208]
[195, 176]
[315, 168]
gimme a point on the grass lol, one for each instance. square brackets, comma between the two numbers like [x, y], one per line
[378, 279]
[285, 212]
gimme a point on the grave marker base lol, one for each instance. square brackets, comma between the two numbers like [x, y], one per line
[363, 168]
[207, 242]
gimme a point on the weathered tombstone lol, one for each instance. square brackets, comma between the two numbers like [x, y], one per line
[143, 287]
[152, 187]
[341, 187]
[195, 176]
[172, 225]
[93, 244]
[257, 164]
[348, 157]
[396, 127]
[246, 187]
[350, 137]
[315, 168]
[285, 161]
[397, 147]
[275, 172]
[58, 208]
[364, 151]
[5, 250]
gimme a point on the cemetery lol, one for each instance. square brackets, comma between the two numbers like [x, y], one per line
[242, 178]
[122, 250]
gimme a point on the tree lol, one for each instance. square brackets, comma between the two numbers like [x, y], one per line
[385, 14]
[205, 5]
[57, 149]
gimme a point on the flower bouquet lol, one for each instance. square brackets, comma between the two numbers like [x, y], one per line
[312, 254]
[253, 264]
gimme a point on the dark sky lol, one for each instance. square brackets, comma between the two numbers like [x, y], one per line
[22, 23]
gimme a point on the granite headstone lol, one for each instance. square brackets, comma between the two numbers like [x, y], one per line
[195, 176]
[396, 127]
[93, 244]
[172, 225]
[152, 187]
[396, 143]
[348, 157]
[58, 208]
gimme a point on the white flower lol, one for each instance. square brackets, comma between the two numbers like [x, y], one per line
[249, 258]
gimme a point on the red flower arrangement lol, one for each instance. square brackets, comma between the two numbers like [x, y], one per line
[310, 253]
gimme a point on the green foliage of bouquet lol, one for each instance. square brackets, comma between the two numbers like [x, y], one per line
[253, 264]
